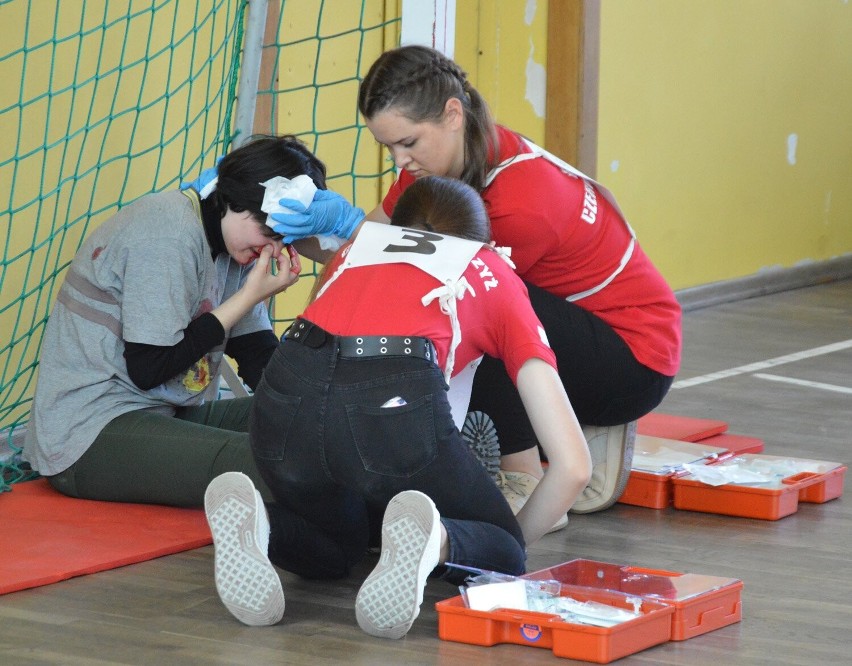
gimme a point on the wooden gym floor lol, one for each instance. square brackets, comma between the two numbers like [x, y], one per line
[797, 599]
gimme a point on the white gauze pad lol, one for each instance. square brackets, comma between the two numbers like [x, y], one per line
[301, 188]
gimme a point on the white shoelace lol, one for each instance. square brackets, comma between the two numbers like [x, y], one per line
[447, 296]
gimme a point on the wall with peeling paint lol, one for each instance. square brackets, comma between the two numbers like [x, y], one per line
[724, 127]
[502, 45]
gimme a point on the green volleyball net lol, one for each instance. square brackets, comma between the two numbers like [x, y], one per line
[107, 101]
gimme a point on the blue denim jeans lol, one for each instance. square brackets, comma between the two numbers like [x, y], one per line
[332, 455]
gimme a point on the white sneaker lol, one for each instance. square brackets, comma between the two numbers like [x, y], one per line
[247, 582]
[611, 449]
[517, 488]
[390, 598]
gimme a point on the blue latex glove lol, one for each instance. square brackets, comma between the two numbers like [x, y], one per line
[328, 214]
[204, 179]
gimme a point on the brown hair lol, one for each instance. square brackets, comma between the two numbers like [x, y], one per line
[417, 81]
[445, 206]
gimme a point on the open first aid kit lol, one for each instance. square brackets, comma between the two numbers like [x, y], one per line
[589, 610]
[695, 465]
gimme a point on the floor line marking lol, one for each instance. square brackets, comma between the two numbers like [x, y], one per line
[804, 382]
[762, 365]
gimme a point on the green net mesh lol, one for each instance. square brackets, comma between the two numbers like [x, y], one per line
[312, 64]
[107, 101]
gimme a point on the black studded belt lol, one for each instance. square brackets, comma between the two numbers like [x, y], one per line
[361, 346]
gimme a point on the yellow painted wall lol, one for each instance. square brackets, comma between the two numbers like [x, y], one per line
[726, 131]
[724, 127]
[502, 45]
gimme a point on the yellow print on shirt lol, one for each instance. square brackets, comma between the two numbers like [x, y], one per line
[197, 378]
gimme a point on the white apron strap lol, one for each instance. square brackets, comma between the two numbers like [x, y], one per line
[538, 151]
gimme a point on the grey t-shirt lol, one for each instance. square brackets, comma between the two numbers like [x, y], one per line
[142, 276]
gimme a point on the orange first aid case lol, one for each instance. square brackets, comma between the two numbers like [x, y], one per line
[673, 606]
[817, 482]
[705, 440]
[543, 630]
[656, 461]
[701, 603]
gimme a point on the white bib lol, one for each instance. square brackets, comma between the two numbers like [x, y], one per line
[442, 257]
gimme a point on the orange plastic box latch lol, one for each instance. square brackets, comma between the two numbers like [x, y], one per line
[831, 487]
[706, 612]
[711, 611]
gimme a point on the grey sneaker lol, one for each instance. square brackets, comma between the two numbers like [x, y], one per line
[517, 488]
[481, 436]
[611, 449]
[247, 583]
[389, 600]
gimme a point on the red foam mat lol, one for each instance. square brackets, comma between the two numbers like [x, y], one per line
[48, 537]
[683, 428]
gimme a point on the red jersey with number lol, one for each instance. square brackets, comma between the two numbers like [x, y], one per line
[494, 315]
[568, 238]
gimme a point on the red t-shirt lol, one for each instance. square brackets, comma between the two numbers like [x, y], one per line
[566, 238]
[496, 319]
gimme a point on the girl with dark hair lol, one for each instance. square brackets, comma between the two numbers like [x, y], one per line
[352, 417]
[614, 323]
[153, 299]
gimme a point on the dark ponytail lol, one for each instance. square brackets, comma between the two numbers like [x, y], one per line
[445, 206]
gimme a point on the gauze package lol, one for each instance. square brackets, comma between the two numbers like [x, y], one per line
[757, 470]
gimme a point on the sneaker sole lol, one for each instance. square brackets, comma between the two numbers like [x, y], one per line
[617, 458]
[246, 581]
[389, 600]
[480, 435]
